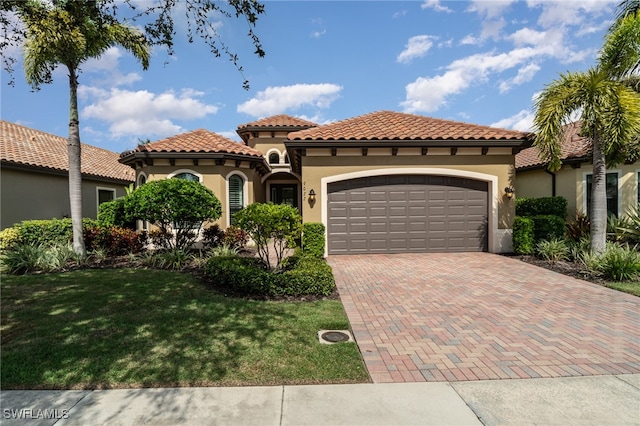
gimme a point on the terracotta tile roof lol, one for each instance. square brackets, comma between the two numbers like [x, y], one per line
[573, 146]
[198, 141]
[389, 125]
[281, 120]
[25, 146]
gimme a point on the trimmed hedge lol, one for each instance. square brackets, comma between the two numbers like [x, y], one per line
[556, 206]
[302, 276]
[548, 227]
[112, 213]
[48, 232]
[523, 235]
[313, 239]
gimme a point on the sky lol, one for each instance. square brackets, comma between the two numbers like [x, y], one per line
[480, 62]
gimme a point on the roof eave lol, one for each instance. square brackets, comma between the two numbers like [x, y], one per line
[402, 143]
[60, 172]
[130, 157]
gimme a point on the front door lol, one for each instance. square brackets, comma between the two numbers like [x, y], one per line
[284, 193]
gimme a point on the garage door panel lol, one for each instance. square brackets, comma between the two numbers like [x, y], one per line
[412, 213]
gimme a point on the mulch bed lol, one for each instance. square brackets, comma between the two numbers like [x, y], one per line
[571, 269]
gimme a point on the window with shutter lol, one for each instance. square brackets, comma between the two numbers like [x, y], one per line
[236, 196]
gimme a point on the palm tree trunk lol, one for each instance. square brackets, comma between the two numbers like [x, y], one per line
[75, 173]
[598, 213]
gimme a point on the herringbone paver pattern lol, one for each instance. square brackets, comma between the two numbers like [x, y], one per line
[477, 316]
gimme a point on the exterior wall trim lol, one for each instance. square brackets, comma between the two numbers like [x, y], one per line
[495, 243]
[103, 188]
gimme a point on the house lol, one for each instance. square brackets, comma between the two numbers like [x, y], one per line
[384, 182]
[34, 176]
[573, 180]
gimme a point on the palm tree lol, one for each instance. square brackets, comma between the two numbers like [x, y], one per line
[610, 114]
[69, 32]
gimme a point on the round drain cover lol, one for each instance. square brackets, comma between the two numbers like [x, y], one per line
[335, 336]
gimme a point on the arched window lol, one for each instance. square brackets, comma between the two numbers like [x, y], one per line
[187, 176]
[274, 158]
[236, 196]
[142, 179]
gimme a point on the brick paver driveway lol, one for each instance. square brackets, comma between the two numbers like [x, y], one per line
[474, 316]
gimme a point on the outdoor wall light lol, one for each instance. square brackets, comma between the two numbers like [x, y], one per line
[508, 191]
[312, 196]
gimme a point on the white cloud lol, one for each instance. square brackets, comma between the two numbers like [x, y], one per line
[435, 5]
[416, 47]
[142, 112]
[107, 66]
[470, 40]
[428, 94]
[525, 74]
[491, 12]
[522, 121]
[572, 12]
[276, 100]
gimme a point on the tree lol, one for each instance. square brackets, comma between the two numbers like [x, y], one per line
[610, 115]
[178, 207]
[156, 18]
[68, 33]
[276, 223]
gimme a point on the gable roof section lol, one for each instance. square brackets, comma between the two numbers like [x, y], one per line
[197, 141]
[574, 148]
[277, 121]
[396, 126]
[25, 147]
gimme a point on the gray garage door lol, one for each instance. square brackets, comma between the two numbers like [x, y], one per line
[399, 214]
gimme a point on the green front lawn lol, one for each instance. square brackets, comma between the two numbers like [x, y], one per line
[631, 287]
[148, 328]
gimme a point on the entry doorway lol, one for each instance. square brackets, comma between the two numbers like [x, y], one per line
[284, 193]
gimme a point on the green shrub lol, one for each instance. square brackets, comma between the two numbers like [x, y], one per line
[178, 207]
[618, 262]
[224, 251]
[625, 229]
[113, 213]
[307, 276]
[174, 259]
[9, 238]
[523, 241]
[48, 232]
[302, 276]
[556, 206]
[244, 275]
[313, 239]
[278, 223]
[27, 258]
[553, 250]
[548, 227]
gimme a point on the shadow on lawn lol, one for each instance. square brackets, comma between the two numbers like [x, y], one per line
[129, 328]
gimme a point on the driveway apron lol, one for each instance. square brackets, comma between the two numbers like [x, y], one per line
[479, 316]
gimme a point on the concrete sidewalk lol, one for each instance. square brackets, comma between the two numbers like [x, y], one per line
[592, 400]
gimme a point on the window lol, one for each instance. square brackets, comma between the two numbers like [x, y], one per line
[274, 158]
[236, 196]
[187, 176]
[612, 193]
[286, 158]
[106, 195]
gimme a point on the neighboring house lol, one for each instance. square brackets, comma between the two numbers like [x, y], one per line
[34, 176]
[384, 182]
[573, 180]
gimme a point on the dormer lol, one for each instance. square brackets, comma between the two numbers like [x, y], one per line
[267, 135]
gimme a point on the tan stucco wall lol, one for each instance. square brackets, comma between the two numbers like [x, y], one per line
[571, 184]
[213, 177]
[30, 195]
[498, 170]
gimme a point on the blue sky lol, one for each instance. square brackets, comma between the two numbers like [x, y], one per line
[480, 62]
